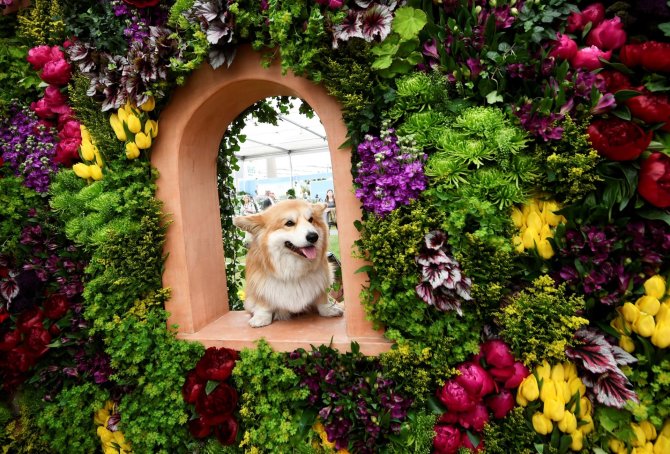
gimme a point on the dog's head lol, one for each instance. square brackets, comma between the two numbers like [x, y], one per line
[291, 226]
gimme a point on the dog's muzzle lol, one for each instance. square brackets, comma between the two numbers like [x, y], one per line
[309, 252]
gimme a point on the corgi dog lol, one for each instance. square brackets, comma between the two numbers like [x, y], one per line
[287, 268]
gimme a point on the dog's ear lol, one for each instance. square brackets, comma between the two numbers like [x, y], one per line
[252, 223]
[318, 208]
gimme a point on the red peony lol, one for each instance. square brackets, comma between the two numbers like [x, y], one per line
[67, 151]
[614, 80]
[192, 388]
[617, 139]
[56, 72]
[475, 379]
[654, 181]
[501, 404]
[216, 364]
[563, 47]
[594, 13]
[520, 372]
[447, 439]
[42, 109]
[455, 397]
[652, 56]
[29, 319]
[41, 55]
[56, 306]
[607, 35]
[222, 400]
[10, 340]
[226, 431]
[476, 418]
[588, 58]
[199, 428]
[497, 353]
[21, 359]
[37, 339]
[142, 3]
[650, 107]
[467, 443]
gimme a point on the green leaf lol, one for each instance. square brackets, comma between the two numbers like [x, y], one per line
[382, 62]
[211, 385]
[623, 95]
[665, 28]
[655, 214]
[493, 97]
[408, 22]
[435, 406]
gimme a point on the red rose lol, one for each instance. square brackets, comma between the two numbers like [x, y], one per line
[199, 428]
[654, 181]
[475, 379]
[57, 72]
[37, 339]
[56, 306]
[594, 13]
[21, 359]
[608, 35]
[454, 396]
[614, 80]
[588, 58]
[222, 400]
[520, 372]
[501, 404]
[10, 340]
[650, 107]
[447, 439]
[563, 47]
[31, 318]
[41, 55]
[226, 431]
[216, 364]
[192, 388]
[497, 353]
[652, 55]
[476, 418]
[617, 139]
[142, 3]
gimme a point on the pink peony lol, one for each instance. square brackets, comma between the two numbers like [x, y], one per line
[455, 397]
[501, 404]
[588, 58]
[563, 47]
[497, 353]
[475, 379]
[42, 109]
[594, 13]
[476, 418]
[56, 72]
[447, 439]
[67, 151]
[501, 374]
[467, 443]
[608, 35]
[41, 55]
[70, 129]
[520, 372]
[56, 100]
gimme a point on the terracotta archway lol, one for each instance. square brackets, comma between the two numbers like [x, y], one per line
[191, 128]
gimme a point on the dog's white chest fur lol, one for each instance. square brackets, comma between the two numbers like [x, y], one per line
[293, 295]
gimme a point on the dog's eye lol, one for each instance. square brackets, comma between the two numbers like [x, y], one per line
[289, 224]
[311, 220]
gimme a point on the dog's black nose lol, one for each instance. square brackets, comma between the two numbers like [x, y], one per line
[312, 237]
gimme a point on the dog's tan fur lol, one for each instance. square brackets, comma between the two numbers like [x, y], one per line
[279, 280]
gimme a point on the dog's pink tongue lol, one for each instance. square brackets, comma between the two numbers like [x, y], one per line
[309, 252]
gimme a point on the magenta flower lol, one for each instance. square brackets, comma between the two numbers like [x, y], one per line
[56, 72]
[476, 418]
[589, 58]
[608, 35]
[41, 55]
[594, 13]
[564, 47]
[501, 404]
[497, 353]
[520, 372]
[447, 439]
[475, 379]
[454, 396]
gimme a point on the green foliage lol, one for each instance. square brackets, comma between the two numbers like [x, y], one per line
[539, 322]
[19, 434]
[408, 368]
[269, 396]
[651, 381]
[398, 53]
[571, 164]
[193, 45]
[16, 201]
[514, 433]
[424, 96]
[416, 435]
[43, 23]
[95, 22]
[67, 422]
[17, 78]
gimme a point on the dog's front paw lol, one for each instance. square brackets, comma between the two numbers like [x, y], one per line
[260, 318]
[330, 309]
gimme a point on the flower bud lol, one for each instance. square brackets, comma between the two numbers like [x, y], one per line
[542, 424]
[589, 426]
[497, 353]
[87, 153]
[151, 128]
[662, 445]
[661, 336]
[548, 390]
[665, 430]
[617, 446]
[98, 157]
[134, 124]
[585, 407]
[557, 373]
[529, 389]
[81, 170]
[627, 343]
[143, 141]
[576, 385]
[122, 115]
[534, 220]
[630, 312]
[553, 409]
[520, 373]
[655, 286]
[577, 440]
[132, 151]
[117, 126]
[530, 237]
[568, 424]
[570, 371]
[96, 172]
[663, 314]
[546, 232]
[649, 430]
[640, 438]
[644, 325]
[648, 304]
[545, 250]
[149, 105]
[543, 370]
[85, 135]
[517, 218]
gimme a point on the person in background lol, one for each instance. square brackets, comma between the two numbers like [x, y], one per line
[248, 205]
[269, 200]
[331, 214]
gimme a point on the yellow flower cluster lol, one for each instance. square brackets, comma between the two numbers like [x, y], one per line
[113, 442]
[648, 317]
[556, 386]
[134, 127]
[536, 222]
[321, 431]
[91, 168]
[646, 440]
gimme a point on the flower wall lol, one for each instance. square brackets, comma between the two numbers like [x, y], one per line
[512, 161]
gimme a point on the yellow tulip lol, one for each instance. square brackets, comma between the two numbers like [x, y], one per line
[518, 243]
[530, 237]
[529, 389]
[81, 170]
[570, 371]
[576, 385]
[661, 335]
[655, 286]
[98, 157]
[617, 446]
[143, 141]
[548, 213]
[644, 325]
[85, 135]
[589, 426]
[577, 440]
[105, 435]
[627, 343]
[122, 115]
[149, 104]
[568, 424]
[554, 409]
[545, 250]
[618, 324]
[665, 430]
[548, 390]
[649, 430]
[117, 126]
[648, 304]
[544, 370]
[87, 151]
[648, 448]
[542, 424]
[521, 400]
[100, 416]
[517, 218]
[134, 124]
[640, 437]
[96, 172]
[585, 407]
[151, 128]
[563, 391]
[663, 314]
[557, 373]
[132, 151]
[630, 312]
[534, 221]
[662, 445]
